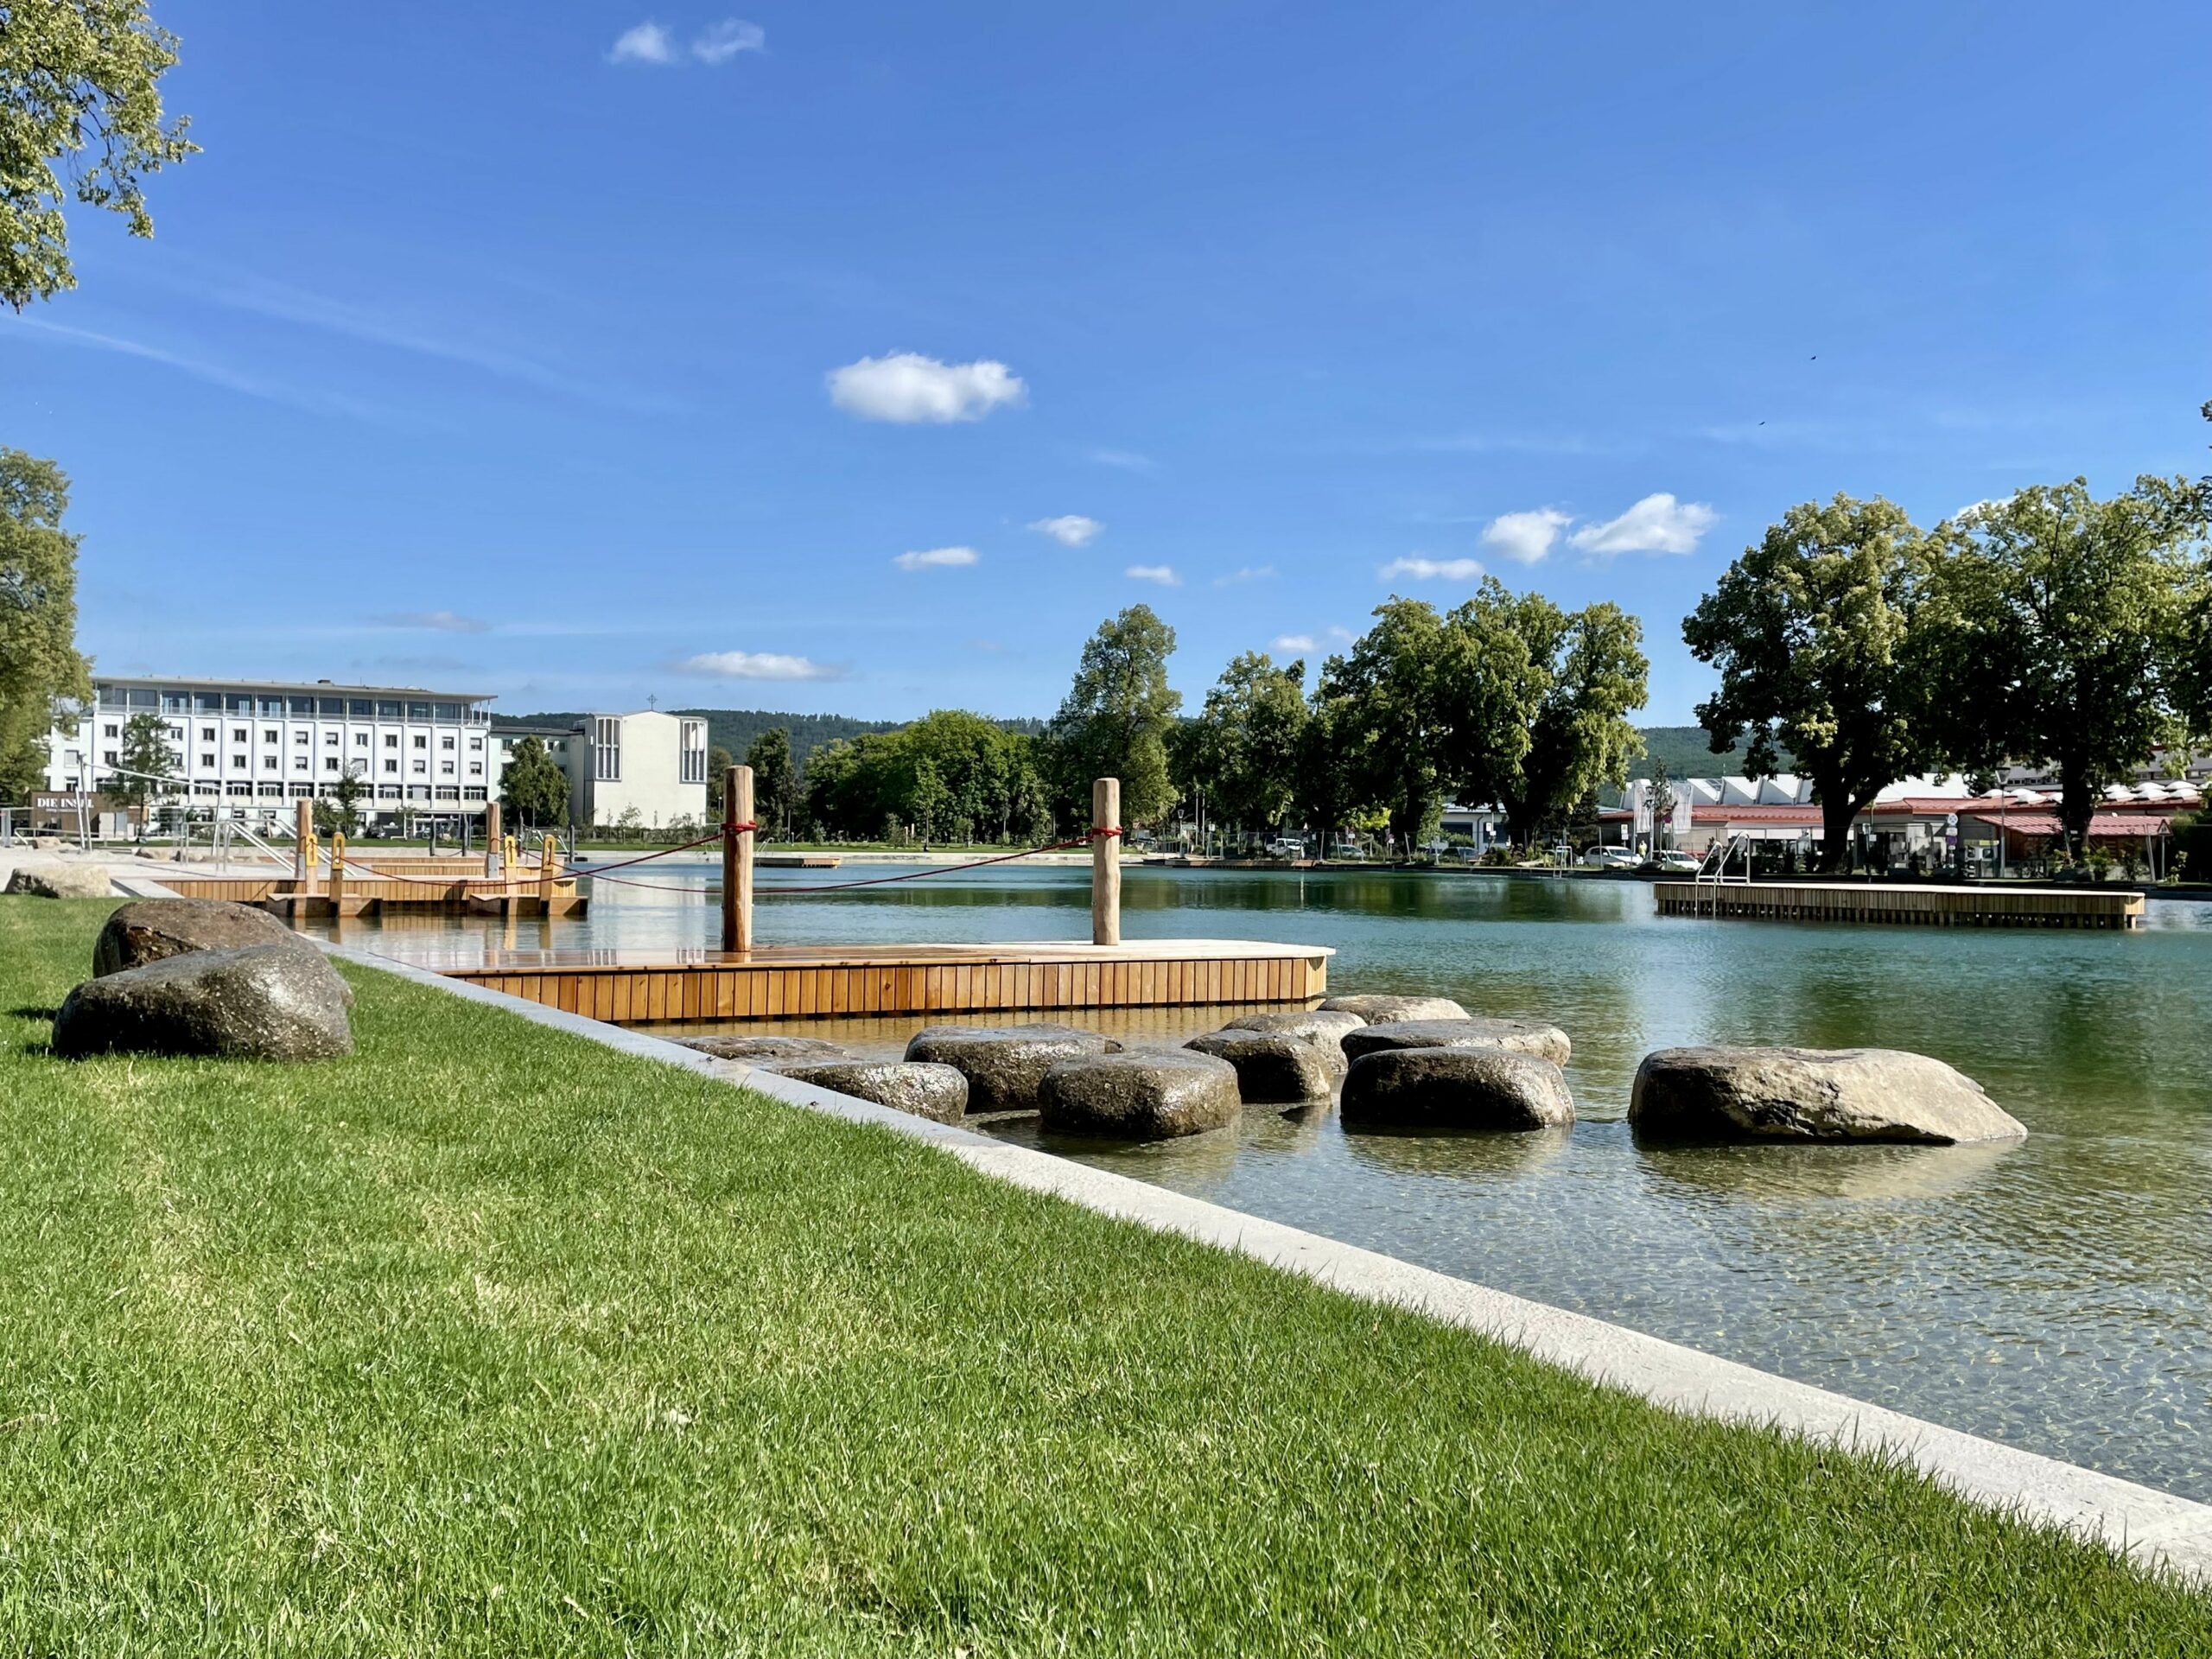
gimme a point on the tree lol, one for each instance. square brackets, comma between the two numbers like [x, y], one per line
[719, 762]
[1244, 747]
[1813, 630]
[77, 88]
[533, 788]
[775, 781]
[340, 813]
[1588, 671]
[1116, 716]
[1324, 798]
[1663, 805]
[40, 667]
[1387, 713]
[2069, 632]
[143, 758]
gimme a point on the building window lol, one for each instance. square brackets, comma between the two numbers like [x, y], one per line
[302, 791]
[476, 768]
[392, 765]
[330, 740]
[388, 792]
[206, 734]
[476, 743]
[422, 766]
[269, 763]
[299, 763]
[331, 708]
[269, 734]
[330, 763]
[361, 708]
[238, 789]
[445, 742]
[113, 730]
[107, 757]
[207, 762]
[387, 710]
[421, 742]
[360, 740]
[606, 750]
[472, 794]
[239, 760]
[392, 739]
[238, 734]
[176, 702]
[445, 768]
[448, 711]
[693, 738]
[448, 794]
[273, 706]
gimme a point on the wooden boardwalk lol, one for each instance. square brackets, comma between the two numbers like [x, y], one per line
[792, 981]
[446, 893]
[1898, 903]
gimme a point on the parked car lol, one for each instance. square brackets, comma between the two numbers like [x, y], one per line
[1675, 861]
[1610, 858]
[1347, 849]
[1286, 846]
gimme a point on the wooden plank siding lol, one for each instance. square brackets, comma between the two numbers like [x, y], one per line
[798, 982]
[1897, 904]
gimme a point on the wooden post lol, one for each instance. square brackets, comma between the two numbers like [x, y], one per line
[548, 867]
[304, 848]
[337, 872]
[493, 845]
[1106, 862]
[737, 859]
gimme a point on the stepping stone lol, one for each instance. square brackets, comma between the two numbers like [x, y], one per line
[1811, 1093]
[764, 1047]
[1005, 1065]
[1275, 1068]
[1143, 1094]
[60, 882]
[1519, 1036]
[1316, 1025]
[1378, 1010]
[1455, 1090]
[938, 1093]
[262, 1002]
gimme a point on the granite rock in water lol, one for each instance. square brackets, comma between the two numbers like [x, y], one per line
[1811, 1093]
[1142, 1094]
[1275, 1068]
[1518, 1036]
[1004, 1064]
[1379, 1010]
[263, 1002]
[58, 880]
[1455, 1090]
[937, 1092]
[1325, 1026]
[764, 1047]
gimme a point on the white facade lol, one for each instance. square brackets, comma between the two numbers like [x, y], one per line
[254, 747]
[645, 770]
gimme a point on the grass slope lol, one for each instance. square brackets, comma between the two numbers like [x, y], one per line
[489, 1340]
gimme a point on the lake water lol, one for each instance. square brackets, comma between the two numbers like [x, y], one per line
[2055, 1293]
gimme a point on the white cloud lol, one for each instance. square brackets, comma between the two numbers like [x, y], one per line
[908, 387]
[647, 43]
[1070, 529]
[1527, 536]
[1163, 573]
[434, 622]
[1248, 573]
[719, 43]
[1427, 569]
[1126, 460]
[757, 665]
[937, 558]
[1294, 642]
[1658, 523]
[1343, 633]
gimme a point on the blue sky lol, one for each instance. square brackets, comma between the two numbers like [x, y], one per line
[499, 347]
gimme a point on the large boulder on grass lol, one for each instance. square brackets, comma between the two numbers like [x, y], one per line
[58, 880]
[1275, 1068]
[263, 1002]
[936, 1092]
[1516, 1036]
[1455, 1090]
[1004, 1064]
[764, 1048]
[1325, 1026]
[150, 929]
[1811, 1093]
[1142, 1094]
[1378, 1010]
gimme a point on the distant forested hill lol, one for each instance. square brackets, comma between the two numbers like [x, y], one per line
[1685, 750]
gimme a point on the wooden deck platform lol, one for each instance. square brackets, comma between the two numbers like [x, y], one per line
[792, 981]
[1898, 903]
[461, 895]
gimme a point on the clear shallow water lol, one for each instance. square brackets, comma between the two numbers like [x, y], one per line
[2055, 1293]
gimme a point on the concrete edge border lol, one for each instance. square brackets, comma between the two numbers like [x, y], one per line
[2154, 1529]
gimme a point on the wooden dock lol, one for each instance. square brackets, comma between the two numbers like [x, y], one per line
[1898, 903]
[793, 981]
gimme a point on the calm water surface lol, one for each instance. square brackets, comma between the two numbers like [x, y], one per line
[2055, 1293]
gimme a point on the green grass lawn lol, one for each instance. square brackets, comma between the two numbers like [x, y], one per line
[491, 1340]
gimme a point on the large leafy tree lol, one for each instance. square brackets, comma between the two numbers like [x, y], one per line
[143, 758]
[775, 780]
[1589, 672]
[950, 774]
[1245, 745]
[39, 666]
[1117, 718]
[1390, 715]
[533, 788]
[80, 115]
[1813, 629]
[2070, 629]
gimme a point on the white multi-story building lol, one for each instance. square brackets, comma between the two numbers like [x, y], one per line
[644, 769]
[253, 748]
